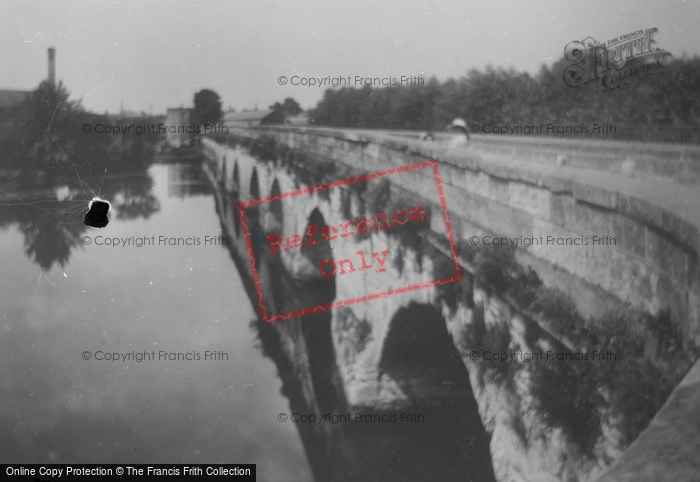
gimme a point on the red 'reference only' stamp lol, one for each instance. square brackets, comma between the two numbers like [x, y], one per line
[277, 243]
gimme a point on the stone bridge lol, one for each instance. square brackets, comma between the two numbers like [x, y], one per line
[595, 228]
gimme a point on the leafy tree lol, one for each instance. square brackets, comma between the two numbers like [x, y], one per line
[288, 107]
[207, 107]
[32, 129]
[655, 106]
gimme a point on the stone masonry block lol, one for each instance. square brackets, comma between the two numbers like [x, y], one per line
[397, 158]
[451, 174]
[667, 257]
[531, 199]
[632, 280]
[596, 195]
[420, 182]
[693, 324]
[629, 235]
[373, 150]
[571, 251]
[499, 190]
[476, 183]
[668, 295]
[579, 217]
[491, 216]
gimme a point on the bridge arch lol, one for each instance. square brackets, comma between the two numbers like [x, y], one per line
[418, 353]
[317, 253]
[276, 209]
[236, 198]
[299, 285]
[236, 178]
[254, 190]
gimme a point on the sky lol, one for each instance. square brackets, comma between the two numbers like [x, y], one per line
[151, 55]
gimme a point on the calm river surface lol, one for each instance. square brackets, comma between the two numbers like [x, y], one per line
[56, 407]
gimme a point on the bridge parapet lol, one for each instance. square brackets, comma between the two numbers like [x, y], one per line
[670, 163]
[646, 232]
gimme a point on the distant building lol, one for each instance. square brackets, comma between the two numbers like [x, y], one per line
[253, 118]
[298, 120]
[180, 130]
[11, 98]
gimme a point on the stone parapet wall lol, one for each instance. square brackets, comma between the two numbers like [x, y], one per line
[652, 265]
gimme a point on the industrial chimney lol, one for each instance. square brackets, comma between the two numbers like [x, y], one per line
[52, 66]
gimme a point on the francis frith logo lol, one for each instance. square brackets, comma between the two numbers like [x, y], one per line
[616, 62]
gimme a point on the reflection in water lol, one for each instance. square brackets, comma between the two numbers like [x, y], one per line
[49, 196]
[52, 218]
[186, 180]
[53, 228]
[59, 408]
[50, 171]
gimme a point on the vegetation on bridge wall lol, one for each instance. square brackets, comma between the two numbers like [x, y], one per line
[580, 397]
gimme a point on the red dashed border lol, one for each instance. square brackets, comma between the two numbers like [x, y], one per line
[365, 177]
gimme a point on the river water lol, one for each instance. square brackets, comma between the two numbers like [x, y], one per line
[57, 407]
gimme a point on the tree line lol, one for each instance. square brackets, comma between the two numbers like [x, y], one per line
[50, 134]
[507, 97]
